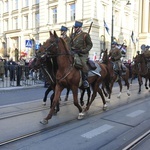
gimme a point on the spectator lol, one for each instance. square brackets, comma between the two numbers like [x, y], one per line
[6, 67]
[1, 68]
[18, 73]
[11, 65]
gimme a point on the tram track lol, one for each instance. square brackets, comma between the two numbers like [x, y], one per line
[50, 128]
[39, 108]
[137, 141]
[45, 129]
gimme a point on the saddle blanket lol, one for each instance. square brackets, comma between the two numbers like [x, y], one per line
[95, 72]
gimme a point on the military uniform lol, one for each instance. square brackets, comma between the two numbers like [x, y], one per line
[116, 55]
[64, 36]
[146, 54]
[81, 44]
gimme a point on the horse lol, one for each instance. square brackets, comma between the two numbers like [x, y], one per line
[142, 70]
[114, 75]
[40, 62]
[68, 76]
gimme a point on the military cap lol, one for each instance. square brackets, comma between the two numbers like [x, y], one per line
[63, 28]
[147, 46]
[78, 24]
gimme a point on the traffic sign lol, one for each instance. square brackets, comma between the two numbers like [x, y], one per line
[28, 43]
[37, 46]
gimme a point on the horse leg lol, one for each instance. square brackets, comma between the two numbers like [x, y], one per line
[81, 98]
[146, 83]
[120, 85]
[140, 83]
[89, 95]
[58, 90]
[103, 89]
[57, 106]
[103, 99]
[67, 94]
[46, 94]
[75, 98]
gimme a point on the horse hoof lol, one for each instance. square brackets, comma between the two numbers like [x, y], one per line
[44, 103]
[80, 116]
[105, 107]
[44, 121]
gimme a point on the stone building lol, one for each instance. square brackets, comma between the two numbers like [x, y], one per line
[26, 23]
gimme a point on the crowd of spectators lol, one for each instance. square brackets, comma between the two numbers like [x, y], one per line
[17, 71]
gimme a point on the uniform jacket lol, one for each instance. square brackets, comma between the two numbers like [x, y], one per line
[82, 42]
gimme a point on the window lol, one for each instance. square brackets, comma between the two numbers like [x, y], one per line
[15, 24]
[54, 11]
[36, 1]
[72, 11]
[6, 25]
[25, 3]
[15, 4]
[6, 6]
[37, 20]
[25, 22]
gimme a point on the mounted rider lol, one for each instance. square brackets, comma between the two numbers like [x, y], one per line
[147, 55]
[64, 35]
[81, 44]
[115, 55]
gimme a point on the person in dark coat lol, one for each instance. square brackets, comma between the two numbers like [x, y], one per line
[12, 66]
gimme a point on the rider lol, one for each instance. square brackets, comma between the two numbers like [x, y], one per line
[81, 44]
[67, 39]
[147, 54]
[116, 55]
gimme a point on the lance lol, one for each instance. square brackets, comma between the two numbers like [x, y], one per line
[90, 27]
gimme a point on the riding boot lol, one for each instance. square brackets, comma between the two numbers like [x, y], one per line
[84, 80]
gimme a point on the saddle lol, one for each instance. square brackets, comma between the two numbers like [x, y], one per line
[91, 64]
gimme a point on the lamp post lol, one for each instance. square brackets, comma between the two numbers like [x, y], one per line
[112, 23]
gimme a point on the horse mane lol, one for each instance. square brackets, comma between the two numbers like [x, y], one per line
[65, 44]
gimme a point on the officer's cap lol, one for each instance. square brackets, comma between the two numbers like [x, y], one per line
[63, 28]
[147, 46]
[78, 24]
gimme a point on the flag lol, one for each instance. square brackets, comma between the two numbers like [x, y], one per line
[132, 37]
[106, 27]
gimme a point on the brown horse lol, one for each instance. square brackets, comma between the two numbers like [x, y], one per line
[142, 70]
[114, 75]
[67, 76]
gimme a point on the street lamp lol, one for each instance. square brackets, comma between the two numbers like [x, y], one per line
[112, 23]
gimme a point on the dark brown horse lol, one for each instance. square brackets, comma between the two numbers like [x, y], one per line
[142, 70]
[115, 76]
[67, 76]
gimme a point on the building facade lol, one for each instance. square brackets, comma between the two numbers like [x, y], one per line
[26, 23]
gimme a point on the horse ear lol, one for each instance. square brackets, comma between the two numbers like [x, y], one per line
[51, 34]
[55, 34]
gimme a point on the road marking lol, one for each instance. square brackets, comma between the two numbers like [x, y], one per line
[135, 113]
[97, 131]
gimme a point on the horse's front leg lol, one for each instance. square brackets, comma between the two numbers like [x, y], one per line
[58, 90]
[146, 83]
[75, 98]
[46, 94]
[140, 83]
[67, 94]
[81, 98]
[120, 85]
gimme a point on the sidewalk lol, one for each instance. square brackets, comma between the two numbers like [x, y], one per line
[8, 85]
